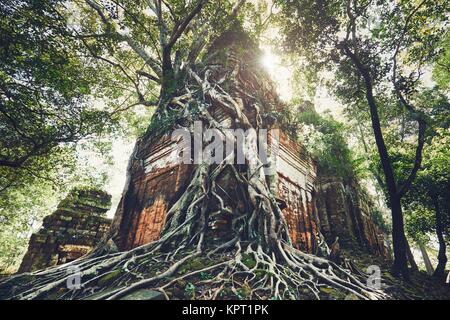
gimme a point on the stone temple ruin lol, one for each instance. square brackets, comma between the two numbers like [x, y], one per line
[73, 230]
[315, 207]
[310, 203]
[344, 210]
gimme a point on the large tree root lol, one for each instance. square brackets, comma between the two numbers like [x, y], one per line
[243, 271]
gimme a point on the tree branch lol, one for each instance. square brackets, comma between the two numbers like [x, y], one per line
[180, 27]
[376, 126]
[417, 160]
[415, 113]
[152, 63]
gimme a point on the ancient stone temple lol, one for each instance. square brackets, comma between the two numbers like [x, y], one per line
[309, 204]
[157, 180]
[74, 229]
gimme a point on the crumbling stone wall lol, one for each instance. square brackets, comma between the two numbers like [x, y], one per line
[73, 230]
[296, 175]
[157, 182]
[344, 210]
[310, 204]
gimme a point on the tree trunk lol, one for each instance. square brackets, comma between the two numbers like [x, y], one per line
[442, 258]
[399, 242]
[410, 255]
[426, 259]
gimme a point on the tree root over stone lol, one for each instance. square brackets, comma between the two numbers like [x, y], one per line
[259, 262]
[243, 272]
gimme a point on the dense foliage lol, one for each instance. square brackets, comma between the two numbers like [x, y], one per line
[326, 141]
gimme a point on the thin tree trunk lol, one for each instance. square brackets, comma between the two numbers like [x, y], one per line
[442, 258]
[411, 260]
[399, 242]
[426, 259]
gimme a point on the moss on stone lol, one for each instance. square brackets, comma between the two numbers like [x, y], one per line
[333, 294]
[109, 277]
[249, 261]
[57, 294]
[194, 264]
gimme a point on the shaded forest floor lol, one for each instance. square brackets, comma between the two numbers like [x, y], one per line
[420, 287]
[186, 283]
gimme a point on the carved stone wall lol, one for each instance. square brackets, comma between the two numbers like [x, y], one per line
[158, 181]
[296, 177]
[344, 211]
[70, 232]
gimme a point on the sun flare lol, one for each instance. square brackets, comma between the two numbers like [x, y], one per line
[269, 60]
[280, 74]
